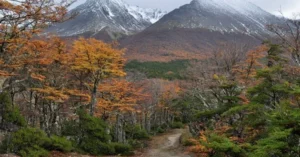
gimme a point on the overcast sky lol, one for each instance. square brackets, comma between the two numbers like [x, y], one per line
[288, 7]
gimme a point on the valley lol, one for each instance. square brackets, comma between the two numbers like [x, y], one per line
[210, 78]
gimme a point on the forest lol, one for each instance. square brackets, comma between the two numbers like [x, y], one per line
[83, 96]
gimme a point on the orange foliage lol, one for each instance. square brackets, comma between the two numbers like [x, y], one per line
[19, 22]
[246, 71]
[93, 61]
[118, 96]
[50, 93]
[99, 59]
[198, 148]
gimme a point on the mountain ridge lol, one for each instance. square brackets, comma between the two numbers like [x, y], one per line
[196, 28]
[187, 32]
[112, 16]
[219, 15]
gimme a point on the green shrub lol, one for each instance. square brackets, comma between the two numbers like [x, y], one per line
[89, 135]
[96, 147]
[141, 134]
[106, 149]
[187, 142]
[99, 148]
[9, 113]
[35, 151]
[177, 125]
[136, 132]
[70, 128]
[32, 142]
[123, 149]
[137, 143]
[160, 130]
[27, 142]
[60, 144]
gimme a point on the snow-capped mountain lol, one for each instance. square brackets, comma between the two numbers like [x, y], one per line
[113, 16]
[238, 16]
[198, 27]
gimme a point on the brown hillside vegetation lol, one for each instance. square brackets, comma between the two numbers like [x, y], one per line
[163, 45]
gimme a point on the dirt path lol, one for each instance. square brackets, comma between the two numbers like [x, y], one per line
[166, 145]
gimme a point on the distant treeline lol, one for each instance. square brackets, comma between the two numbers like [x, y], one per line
[166, 70]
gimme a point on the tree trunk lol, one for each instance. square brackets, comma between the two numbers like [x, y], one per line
[119, 130]
[148, 122]
[143, 120]
[107, 130]
[133, 116]
[93, 98]
[2, 81]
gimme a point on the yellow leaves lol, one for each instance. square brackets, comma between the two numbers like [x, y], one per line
[83, 97]
[118, 95]
[98, 58]
[216, 77]
[50, 93]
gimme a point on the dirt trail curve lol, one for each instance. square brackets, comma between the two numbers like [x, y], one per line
[166, 145]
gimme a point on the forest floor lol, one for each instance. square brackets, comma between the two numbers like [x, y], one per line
[161, 145]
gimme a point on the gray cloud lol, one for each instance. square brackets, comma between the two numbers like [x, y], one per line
[288, 7]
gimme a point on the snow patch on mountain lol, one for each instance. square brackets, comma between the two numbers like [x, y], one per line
[148, 14]
[225, 16]
[109, 15]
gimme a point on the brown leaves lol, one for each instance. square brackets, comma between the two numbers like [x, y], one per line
[50, 93]
[19, 22]
[38, 77]
[246, 70]
[119, 95]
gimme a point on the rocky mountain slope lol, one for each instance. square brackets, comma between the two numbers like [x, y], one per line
[190, 31]
[112, 16]
[225, 16]
[195, 28]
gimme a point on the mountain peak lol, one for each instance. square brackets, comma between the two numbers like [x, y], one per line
[225, 16]
[114, 16]
[194, 29]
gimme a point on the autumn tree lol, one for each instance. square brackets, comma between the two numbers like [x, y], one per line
[20, 21]
[253, 106]
[96, 61]
[48, 84]
[118, 103]
[26, 56]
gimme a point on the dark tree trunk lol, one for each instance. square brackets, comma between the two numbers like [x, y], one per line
[93, 98]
